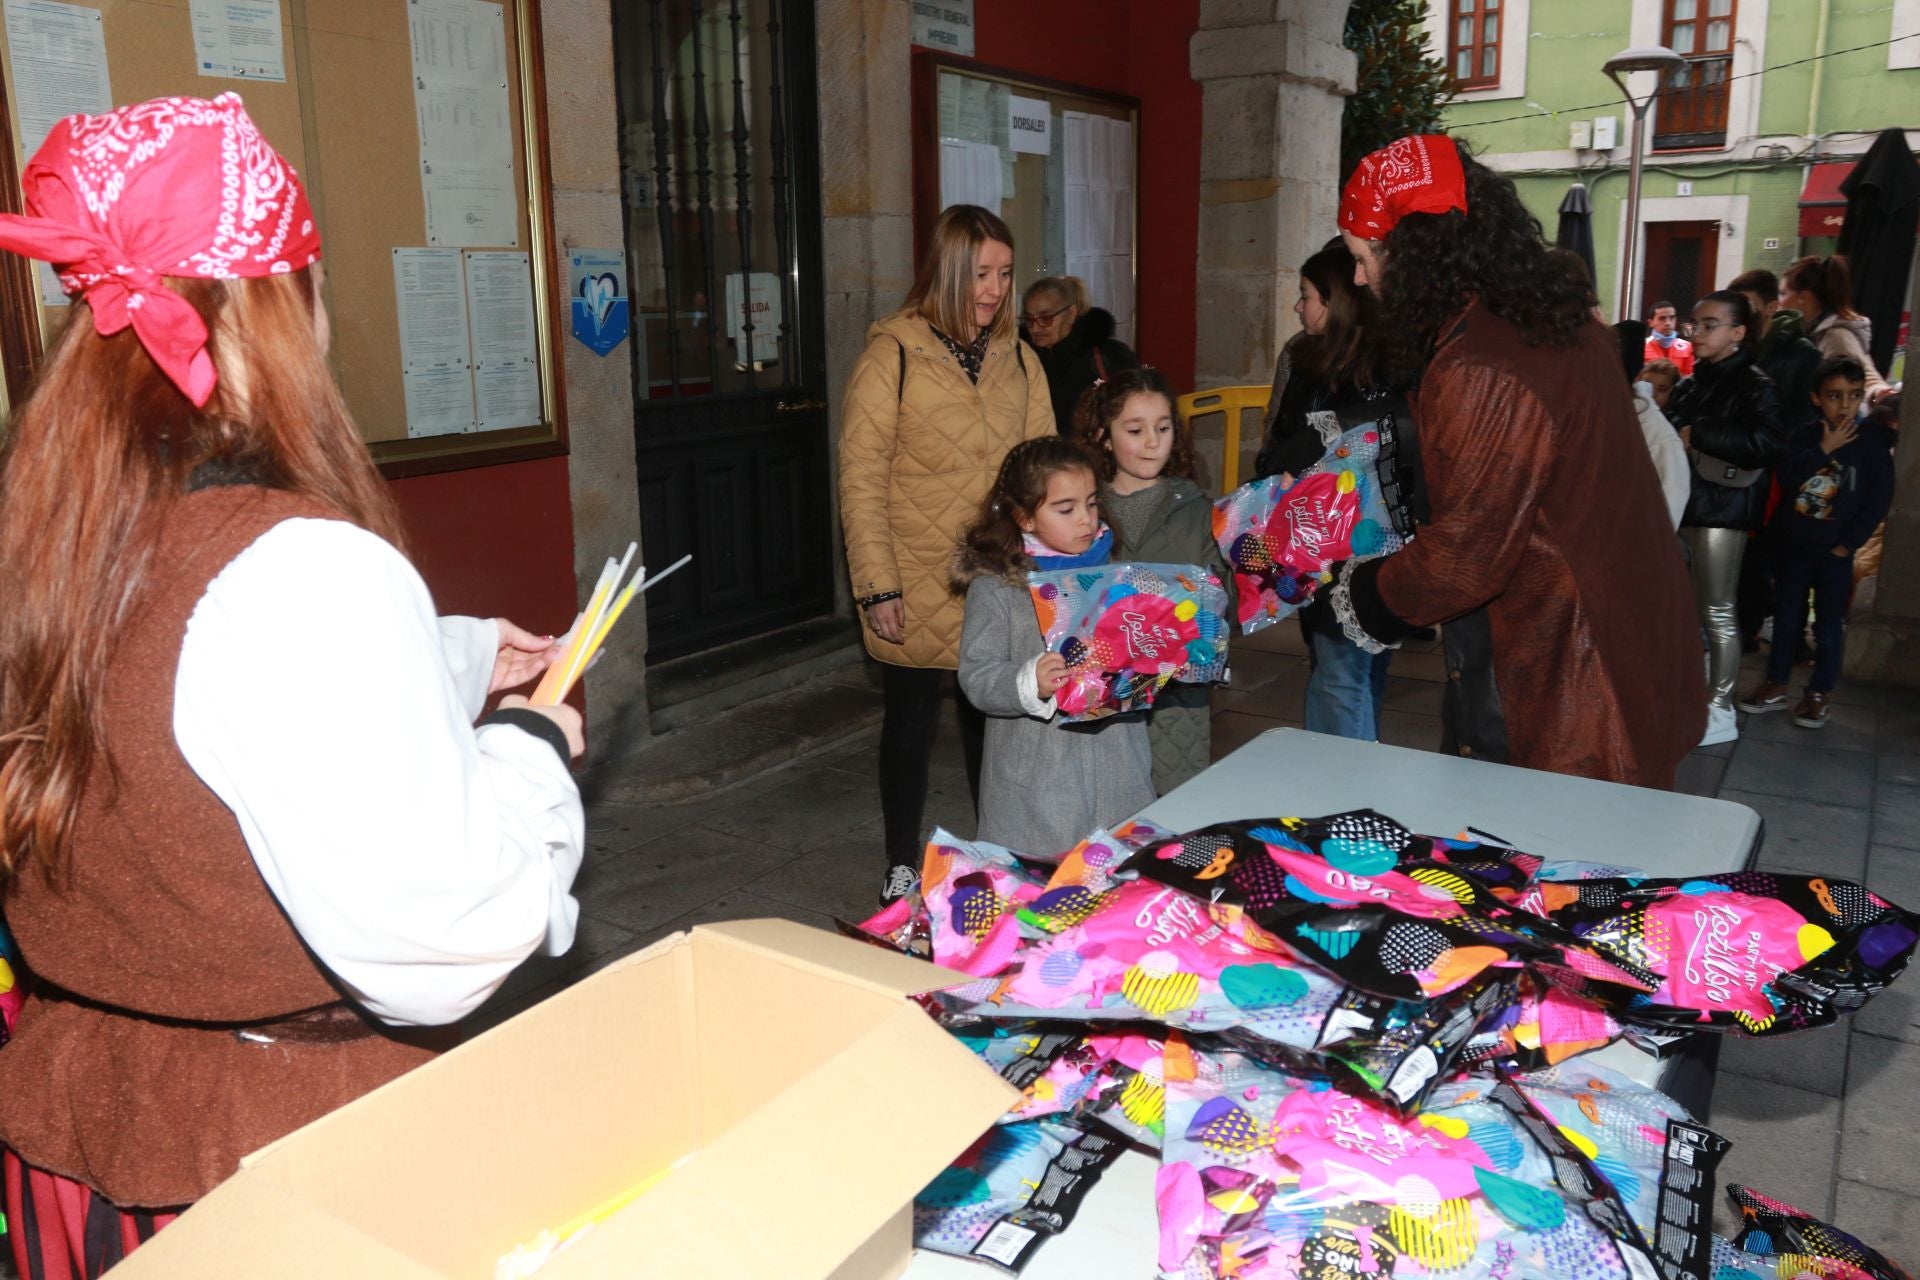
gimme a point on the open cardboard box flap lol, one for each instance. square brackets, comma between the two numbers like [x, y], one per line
[808, 1098]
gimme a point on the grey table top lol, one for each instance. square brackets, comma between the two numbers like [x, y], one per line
[1292, 773]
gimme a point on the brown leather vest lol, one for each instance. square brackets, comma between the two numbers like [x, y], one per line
[180, 1022]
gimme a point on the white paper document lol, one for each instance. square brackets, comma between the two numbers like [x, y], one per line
[239, 39]
[431, 294]
[507, 396]
[506, 357]
[970, 173]
[439, 400]
[465, 124]
[59, 55]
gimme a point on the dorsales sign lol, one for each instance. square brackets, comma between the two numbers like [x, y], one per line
[1030, 125]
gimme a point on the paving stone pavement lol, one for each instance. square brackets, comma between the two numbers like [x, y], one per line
[1822, 1120]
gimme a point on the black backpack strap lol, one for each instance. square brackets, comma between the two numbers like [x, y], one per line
[900, 388]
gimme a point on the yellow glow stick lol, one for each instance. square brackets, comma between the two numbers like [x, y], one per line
[526, 1259]
[634, 587]
[583, 627]
[575, 660]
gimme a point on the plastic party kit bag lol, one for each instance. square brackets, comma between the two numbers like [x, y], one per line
[1127, 629]
[1750, 951]
[1269, 1175]
[1788, 1242]
[1014, 1189]
[1400, 916]
[1282, 540]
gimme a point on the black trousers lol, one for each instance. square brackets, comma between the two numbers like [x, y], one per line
[913, 698]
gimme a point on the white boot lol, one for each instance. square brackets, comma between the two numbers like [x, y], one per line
[1721, 725]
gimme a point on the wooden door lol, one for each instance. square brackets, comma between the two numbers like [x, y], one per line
[721, 171]
[1680, 258]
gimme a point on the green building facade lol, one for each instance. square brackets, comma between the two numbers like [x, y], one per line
[1737, 152]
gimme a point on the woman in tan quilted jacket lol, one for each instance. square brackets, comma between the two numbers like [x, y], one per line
[944, 388]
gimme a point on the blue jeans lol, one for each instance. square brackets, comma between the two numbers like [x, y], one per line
[1830, 579]
[1346, 689]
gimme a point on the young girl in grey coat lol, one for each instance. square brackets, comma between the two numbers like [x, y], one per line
[1043, 786]
[1159, 515]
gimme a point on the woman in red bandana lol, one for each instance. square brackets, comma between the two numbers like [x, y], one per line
[1570, 629]
[251, 841]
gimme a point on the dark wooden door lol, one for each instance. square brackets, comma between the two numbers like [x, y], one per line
[1680, 258]
[720, 159]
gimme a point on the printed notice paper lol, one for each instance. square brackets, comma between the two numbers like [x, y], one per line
[431, 294]
[439, 400]
[506, 364]
[466, 128]
[239, 39]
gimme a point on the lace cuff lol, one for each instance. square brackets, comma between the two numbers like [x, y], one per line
[1341, 597]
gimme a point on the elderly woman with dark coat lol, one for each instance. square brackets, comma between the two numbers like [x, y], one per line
[1548, 547]
[1075, 341]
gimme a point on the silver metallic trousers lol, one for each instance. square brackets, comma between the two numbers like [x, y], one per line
[1716, 583]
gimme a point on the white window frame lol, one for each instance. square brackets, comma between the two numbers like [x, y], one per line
[1904, 56]
[1729, 258]
[1515, 28]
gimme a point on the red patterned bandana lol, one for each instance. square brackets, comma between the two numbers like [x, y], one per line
[171, 187]
[1419, 174]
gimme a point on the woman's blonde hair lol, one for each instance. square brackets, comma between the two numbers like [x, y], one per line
[942, 292]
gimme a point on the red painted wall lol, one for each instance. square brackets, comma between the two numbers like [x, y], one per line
[495, 541]
[1138, 48]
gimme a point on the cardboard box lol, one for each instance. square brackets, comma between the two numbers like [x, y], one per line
[814, 1099]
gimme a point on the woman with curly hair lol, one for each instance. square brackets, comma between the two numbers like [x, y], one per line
[1572, 643]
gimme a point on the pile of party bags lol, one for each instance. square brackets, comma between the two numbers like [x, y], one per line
[1356, 1048]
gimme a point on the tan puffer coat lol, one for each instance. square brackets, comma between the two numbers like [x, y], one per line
[916, 461]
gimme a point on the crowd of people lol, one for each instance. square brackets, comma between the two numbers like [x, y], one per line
[212, 619]
[1552, 464]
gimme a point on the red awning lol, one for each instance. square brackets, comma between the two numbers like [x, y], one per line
[1822, 207]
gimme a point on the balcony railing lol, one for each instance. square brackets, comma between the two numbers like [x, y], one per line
[1693, 105]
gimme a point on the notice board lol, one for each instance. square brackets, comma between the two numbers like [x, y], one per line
[416, 127]
[1057, 161]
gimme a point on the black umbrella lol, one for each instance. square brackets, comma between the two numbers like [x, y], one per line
[1883, 204]
[1576, 228]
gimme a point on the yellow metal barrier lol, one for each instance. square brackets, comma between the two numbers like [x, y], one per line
[1231, 401]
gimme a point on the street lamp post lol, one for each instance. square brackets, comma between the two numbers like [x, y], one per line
[1657, 59]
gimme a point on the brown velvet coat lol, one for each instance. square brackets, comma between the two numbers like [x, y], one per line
[1546, 509]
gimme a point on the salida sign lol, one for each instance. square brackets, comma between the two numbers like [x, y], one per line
[754, 299]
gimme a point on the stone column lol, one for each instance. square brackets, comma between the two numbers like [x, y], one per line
[1273, 77]
[866, 191]
[583, 143]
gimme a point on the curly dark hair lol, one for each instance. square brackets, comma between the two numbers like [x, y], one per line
[992, 541]
[1435, 263]
[1103, 402]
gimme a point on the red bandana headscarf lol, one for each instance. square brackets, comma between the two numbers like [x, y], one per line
[1419, 174]
[171, 187]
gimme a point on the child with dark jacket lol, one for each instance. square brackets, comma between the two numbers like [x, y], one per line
[1836, 484]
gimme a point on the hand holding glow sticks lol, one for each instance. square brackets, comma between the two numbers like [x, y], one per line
[591, 628]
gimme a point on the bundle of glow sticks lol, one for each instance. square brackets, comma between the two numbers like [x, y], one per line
[604, 607]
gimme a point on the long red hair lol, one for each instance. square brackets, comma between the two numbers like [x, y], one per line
[93, 462]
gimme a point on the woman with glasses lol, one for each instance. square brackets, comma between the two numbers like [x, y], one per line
[1730, 420]
[1075, 341]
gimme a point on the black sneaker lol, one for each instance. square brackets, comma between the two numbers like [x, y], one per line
[901, 880]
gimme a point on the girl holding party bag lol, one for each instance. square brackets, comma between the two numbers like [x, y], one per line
[1043, 785]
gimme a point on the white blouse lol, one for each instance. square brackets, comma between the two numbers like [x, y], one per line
[324, 704]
